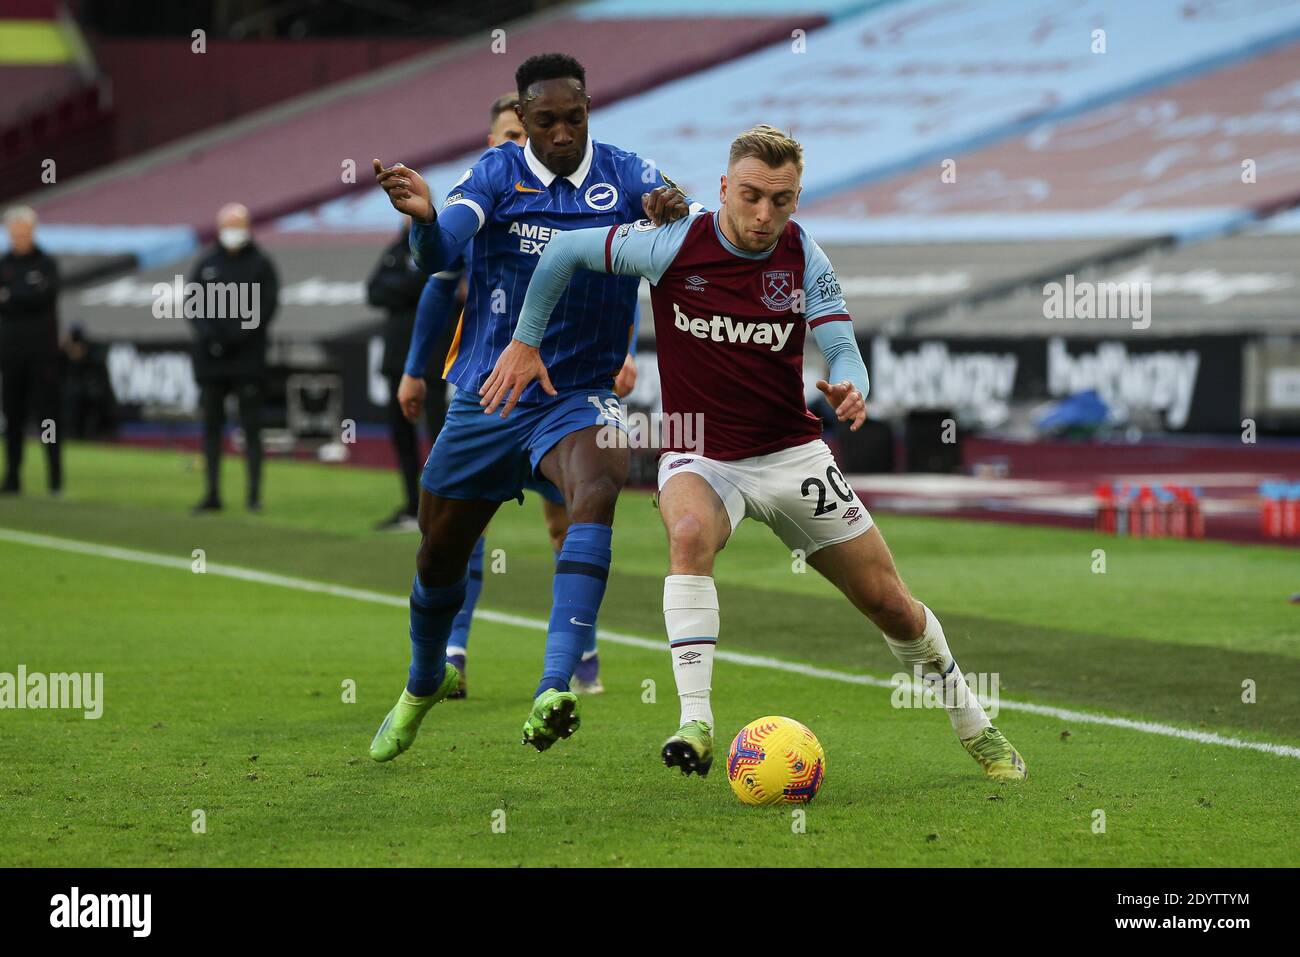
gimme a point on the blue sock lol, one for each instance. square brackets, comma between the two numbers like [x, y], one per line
[580, 574]
[589, 646]
[460, 627]
[432, 611]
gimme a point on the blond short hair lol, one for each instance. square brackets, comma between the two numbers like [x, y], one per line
[768, 144]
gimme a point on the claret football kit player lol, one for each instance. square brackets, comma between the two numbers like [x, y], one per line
[511, 204]
[734, 293]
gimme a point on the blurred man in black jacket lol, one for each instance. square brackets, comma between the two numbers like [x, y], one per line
[230, 348]
[89, 406]
[395, 286]
[29, 347]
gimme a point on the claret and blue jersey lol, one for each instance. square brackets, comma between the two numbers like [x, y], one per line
[729, 324]
[512, 206]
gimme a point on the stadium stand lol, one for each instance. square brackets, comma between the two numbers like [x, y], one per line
[256, 75]
[54, 104]
[1104, 166]
[387, 112]
[1170, 160]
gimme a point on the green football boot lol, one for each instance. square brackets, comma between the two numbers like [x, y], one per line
[398, 731]
[996, 756]
[691, 748]
[554, 716]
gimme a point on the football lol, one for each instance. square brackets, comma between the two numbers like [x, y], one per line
[776, 760]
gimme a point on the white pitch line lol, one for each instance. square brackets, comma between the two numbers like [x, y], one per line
[618, 638]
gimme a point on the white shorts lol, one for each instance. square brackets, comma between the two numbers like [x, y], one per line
[799, 493]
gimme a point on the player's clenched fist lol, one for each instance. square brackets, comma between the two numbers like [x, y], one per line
[410, 396]
[518, 365]
[849, 404]
[406, 189]
[625, 381]
[664, 205]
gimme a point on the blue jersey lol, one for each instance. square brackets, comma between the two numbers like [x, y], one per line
[518, 205]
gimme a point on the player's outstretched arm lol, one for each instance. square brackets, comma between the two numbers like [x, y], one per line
[406, 189]
[828, 317]
[437, 240]
[520, 363]
[431, 315]
[633, 249]
[625, 381]
[848, 386]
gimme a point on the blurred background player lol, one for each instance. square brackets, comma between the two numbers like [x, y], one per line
[230, 359]
[89, 407]
[435, 308]
[29, 348]
[761, 455]
[395, 286]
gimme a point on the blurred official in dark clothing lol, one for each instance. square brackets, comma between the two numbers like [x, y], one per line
[395, 286]
[89, 407]
[29, 348]
[230, 347]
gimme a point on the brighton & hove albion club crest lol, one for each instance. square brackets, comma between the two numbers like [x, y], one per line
[601, 197]
[778, 290]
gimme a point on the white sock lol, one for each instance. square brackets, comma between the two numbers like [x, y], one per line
[937, 666]
[691, 617]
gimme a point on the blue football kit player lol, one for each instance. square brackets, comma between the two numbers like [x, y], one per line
[435, 311]
[432, 314]
[510, 204]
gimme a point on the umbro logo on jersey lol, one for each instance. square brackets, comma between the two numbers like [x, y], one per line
[521, 188]
[696, 283]
[774, 334]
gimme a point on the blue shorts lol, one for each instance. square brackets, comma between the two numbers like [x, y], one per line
[481, 456]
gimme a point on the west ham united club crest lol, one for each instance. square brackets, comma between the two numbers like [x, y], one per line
[778, 290]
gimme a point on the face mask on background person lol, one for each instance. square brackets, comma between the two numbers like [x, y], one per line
[232, 237]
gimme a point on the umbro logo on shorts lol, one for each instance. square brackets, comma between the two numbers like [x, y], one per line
[674, 465]
[852, 514]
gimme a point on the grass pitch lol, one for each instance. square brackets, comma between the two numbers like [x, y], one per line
[227, 696]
